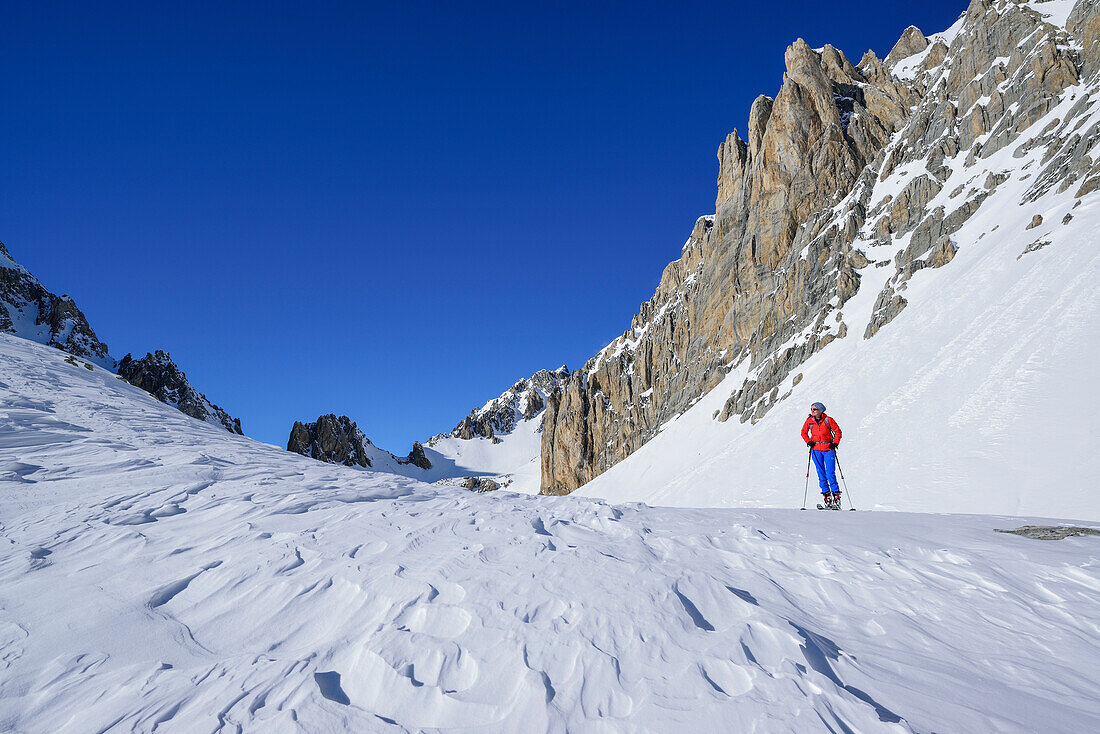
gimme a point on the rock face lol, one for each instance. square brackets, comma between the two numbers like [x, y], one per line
[800, 219]
[159, 376]
[28, 310]
[336, 440]
[523, 401]
[417, 457]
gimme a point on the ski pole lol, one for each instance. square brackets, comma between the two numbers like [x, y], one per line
[846, 491]
[806, 490]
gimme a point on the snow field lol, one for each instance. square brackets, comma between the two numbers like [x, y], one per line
[160, 574]
[514, 461]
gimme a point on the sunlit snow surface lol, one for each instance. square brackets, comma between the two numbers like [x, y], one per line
[157, 573]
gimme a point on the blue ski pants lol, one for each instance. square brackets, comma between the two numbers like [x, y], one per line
[825, 461]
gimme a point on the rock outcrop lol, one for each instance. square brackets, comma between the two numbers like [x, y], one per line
[30, 311]
[338, 440]
[333, 439]
[417, 457]
[801, 218]
[480, 485]
[158, 375]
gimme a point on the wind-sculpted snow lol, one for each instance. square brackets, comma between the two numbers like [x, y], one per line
[158, 573]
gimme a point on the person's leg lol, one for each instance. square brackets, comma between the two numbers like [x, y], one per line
[819, 464]
[829, 462]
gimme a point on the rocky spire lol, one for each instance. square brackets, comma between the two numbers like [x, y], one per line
[912, 41]
[336, 440]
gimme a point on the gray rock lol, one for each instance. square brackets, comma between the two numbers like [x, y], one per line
[332, 439]
[158, 375]
[55, 320]
[417, 457]
[480, 484]
[1050, 532]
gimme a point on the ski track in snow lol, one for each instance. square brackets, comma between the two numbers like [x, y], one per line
[159, 574]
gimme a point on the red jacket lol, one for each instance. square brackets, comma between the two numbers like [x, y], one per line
[822, 432]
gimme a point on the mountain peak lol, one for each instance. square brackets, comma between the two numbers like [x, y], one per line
[525, 400]
[30, 311]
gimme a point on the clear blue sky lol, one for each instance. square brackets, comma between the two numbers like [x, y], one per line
[391, 211]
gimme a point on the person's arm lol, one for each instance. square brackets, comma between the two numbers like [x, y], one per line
[837, 434]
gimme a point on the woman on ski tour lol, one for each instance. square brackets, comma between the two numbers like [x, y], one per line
[822, 436]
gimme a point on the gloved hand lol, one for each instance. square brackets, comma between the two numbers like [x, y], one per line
[833, 445]
[810, 444]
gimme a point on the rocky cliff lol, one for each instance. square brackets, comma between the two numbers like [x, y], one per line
[854, 176]
[159, 376]
[338, 440]
[30, 311]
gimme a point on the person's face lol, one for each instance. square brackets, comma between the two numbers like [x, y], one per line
[815, 411]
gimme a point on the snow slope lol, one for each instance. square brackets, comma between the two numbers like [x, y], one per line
[980, 396]
[514, 460]
[161, 574]
[511, 451]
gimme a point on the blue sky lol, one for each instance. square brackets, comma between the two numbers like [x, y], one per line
[389, 211]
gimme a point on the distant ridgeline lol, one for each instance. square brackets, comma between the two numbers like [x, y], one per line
[338, 440]
[850, 168]
[523, 401]
[30, 311]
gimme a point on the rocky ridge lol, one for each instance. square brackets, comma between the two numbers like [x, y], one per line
[30, 311]
[158, 375]
[338, 440]
[523, 401]
[854, 176]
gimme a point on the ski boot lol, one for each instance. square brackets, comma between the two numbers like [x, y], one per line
[835, 503]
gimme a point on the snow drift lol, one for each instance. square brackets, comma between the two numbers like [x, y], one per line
[160, 574]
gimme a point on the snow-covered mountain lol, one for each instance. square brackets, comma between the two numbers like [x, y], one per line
[498, 442]
[524, 401]
[158, 375]
[502, 438]
[30, 311]
[160, 574]
[912, 241]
